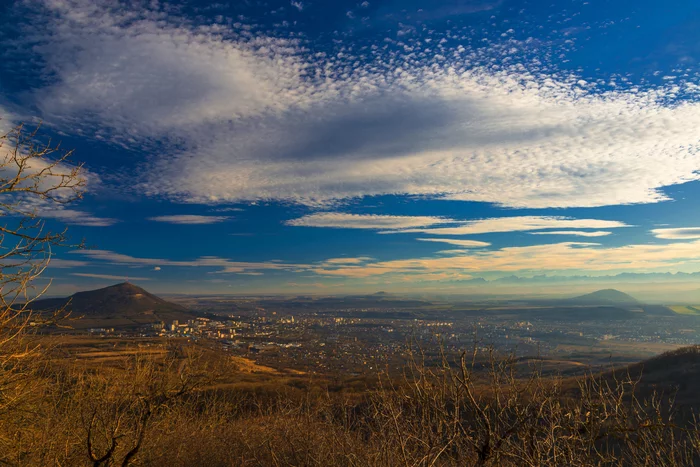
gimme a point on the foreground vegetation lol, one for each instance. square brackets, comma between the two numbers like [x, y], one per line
[171, 409]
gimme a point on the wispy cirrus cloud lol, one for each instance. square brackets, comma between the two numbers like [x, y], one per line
[26, 204]
[551, 258]
[59, 263]
[217, 264]
[109, 277]
[229, 209]
[517, 224]
[449, 226]
[356, 260]
[7, 120]
[575, 233]
[189, 219]
[341, 220]
[254, 115]
[462, 243]
[578, 257]
[76, 217]
[683, 233]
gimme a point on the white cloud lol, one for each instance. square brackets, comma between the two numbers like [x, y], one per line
[577, 233]
[75, 217]
[451, 138]
[357, 260]
[264, 119]
[220, 265]
[65, 263]
[550, 258]
[189, 219]
[110, 277]
[517, 224]
[462, 243]
[677, 233]
[227, 210]
[7, 120]
[365, 221]
[26, 203]
[142, 71]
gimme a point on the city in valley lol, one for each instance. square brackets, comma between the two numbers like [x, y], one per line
[365, 335]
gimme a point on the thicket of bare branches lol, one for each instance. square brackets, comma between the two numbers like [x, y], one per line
[480, 410]
[484, 411]
[34, 177]
[106, 417]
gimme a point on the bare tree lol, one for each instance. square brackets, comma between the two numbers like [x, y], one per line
[35, 177]
[117, 410]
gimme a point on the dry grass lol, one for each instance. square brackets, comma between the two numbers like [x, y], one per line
[154, 409]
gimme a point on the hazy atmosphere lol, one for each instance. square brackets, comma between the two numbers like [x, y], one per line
[453, 147]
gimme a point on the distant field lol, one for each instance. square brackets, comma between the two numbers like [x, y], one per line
[686, 309]
[602, 352]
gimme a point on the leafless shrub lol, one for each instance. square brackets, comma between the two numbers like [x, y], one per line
[478, 412]
[483, 409]
[33, 176]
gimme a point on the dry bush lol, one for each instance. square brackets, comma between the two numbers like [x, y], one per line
[33, 177]
[477, 411]
[111, 416]
[475, 414]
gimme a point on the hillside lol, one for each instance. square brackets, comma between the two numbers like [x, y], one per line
[605, 297]
[675, 373]
[120, 305]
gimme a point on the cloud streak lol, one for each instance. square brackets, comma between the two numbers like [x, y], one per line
[554, 258]
[517, 224]
[357, 260]
[686, 233]
[219, 265]
[450, 226]
[341, 220]
[189, 219]
[75, 217]
[576, 233]
[462, 243]
[109, 277]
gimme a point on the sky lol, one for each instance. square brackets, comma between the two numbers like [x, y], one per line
[330, 147]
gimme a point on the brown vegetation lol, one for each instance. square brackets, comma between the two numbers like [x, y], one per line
[167, 409]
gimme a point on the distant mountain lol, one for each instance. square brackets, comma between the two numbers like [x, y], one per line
[119, 305]
[605, 297]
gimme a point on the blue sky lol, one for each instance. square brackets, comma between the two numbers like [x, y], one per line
[341, 147]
